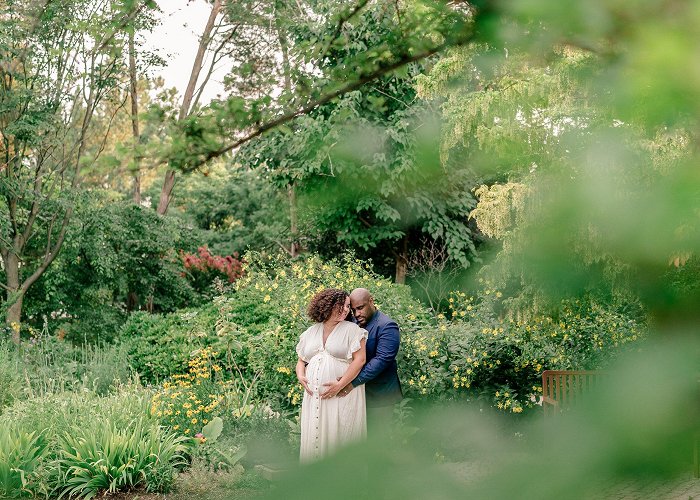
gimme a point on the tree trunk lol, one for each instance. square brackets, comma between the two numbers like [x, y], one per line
[14, 294]
[291, 189]
[293, 221]
[402, 262]
[169, 181]
[166, 192]
[135, 119]
[14, 315]
[132, 301]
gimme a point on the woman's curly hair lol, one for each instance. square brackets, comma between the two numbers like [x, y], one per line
[325, 303]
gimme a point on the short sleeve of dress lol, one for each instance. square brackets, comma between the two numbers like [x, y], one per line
[356, 336]
[301, 346]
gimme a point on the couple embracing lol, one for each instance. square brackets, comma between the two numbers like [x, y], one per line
[347, 366]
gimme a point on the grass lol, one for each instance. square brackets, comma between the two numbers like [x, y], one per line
[207, 485]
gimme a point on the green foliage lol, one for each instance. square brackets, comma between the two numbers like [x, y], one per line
[234, 208]
[45, 365]
[366, 172]
[113, 428]
[160, 345]
[212, 430]
[481, 347]
[475, 352]
[105, 457]
[21, 455]
[255, 327]
[267, 312]
[118, 257]
[59, 412]
[60, 63]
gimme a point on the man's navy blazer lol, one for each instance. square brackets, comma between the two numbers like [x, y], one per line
[380, 376]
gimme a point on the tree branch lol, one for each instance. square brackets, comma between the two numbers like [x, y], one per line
[405, 60]
[215, 58]
[123, 22]
[341, 22]
[198, 60]
[49, 257]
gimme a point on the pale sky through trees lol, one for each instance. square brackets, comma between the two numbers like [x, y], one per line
[175, 39]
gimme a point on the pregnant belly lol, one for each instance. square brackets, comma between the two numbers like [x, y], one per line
[322, 370]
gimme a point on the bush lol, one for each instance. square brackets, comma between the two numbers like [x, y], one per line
[86, 443]
[117, 257]
[159, 346]
[474, 353]
[255, 327]
[204, 268]
[21, 454]
[104, 456]
[474, 350]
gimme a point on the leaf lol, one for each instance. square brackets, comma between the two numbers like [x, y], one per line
[213, 429]
[233, 459]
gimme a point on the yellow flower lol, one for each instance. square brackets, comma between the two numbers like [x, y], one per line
[194, 420]
[433, 354]
[266, 298]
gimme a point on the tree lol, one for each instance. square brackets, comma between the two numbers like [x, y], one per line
[302, 34]
[59, 61]
[113, 248]
[364, 166]
[586, 154]
[235, 207]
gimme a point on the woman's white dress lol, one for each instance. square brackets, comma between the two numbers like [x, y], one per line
[328, 423]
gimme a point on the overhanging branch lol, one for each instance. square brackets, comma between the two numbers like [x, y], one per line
[290, 115]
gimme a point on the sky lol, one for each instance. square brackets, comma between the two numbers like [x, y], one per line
[176, 40]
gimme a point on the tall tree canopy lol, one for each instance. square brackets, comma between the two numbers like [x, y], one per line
[59, 61]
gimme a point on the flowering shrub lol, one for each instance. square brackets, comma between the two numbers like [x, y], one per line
[473, 353]
[159, 346]
[191, 400]
[204, 267]
[268, 310]
[472, 350]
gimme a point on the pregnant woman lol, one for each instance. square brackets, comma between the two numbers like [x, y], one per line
[331, 354]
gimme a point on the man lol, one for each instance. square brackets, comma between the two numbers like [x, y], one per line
[380, 376]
